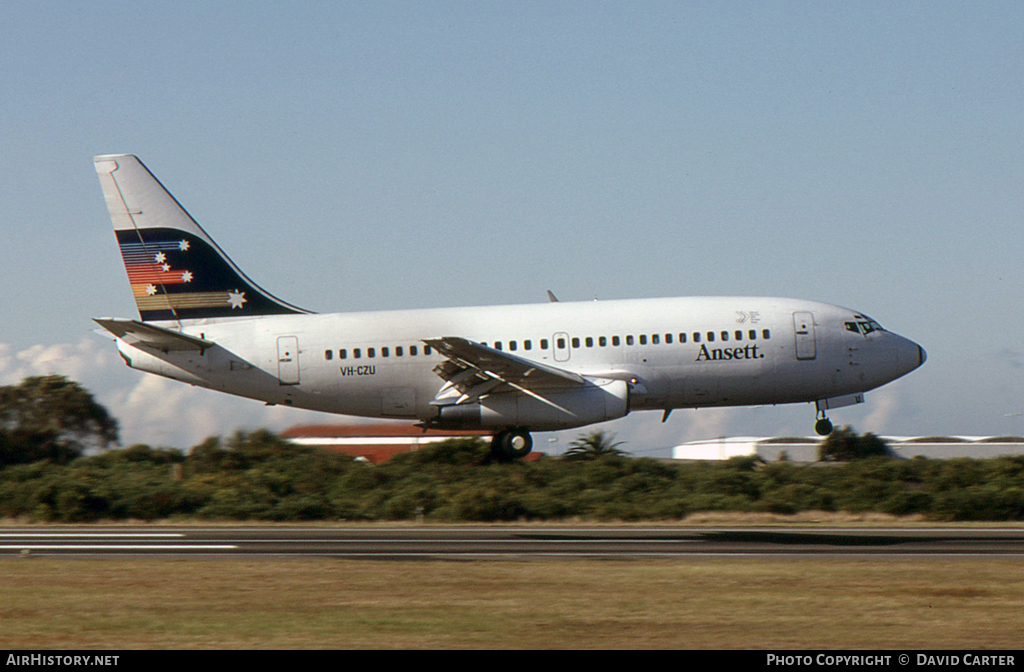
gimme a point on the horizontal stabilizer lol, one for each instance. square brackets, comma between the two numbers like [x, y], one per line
[134, 332]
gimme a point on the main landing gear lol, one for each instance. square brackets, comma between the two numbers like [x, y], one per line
[512, 443]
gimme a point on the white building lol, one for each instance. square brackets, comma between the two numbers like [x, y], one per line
[805, 449]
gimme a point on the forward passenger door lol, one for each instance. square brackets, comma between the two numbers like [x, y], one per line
[803, 327]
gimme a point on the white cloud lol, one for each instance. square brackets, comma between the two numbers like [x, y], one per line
[65, 359]
[885, 407]
[149, 409]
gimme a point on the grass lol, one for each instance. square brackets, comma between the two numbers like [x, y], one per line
[726, 603]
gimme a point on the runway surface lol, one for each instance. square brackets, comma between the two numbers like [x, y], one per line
[513, 542]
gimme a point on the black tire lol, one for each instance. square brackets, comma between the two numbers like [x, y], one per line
[519, 443]
[512, 444]
[823, 427]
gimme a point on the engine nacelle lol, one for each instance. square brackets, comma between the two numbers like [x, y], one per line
[561, 409]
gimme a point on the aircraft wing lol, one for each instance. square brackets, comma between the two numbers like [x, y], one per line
[473, 370]
[134, 332]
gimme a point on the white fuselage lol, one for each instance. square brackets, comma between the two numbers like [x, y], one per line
[672, 353]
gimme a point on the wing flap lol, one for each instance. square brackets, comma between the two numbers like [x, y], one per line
[472, 370]
[134, 332]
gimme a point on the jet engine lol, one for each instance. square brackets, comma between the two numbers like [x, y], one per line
[549, 410]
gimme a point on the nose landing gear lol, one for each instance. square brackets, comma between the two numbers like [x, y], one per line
[823, 426]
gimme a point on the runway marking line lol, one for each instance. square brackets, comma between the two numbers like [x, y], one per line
[79, 535]
[114, 547]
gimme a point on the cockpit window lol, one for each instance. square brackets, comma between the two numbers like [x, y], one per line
[863, 326]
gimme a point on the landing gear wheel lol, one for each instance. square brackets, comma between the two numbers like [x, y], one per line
[823, 426]
[512, 444]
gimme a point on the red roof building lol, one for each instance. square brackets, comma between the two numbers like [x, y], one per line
[374, 442]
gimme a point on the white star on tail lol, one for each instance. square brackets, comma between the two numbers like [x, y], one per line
[183, 246]
[236, 299]
[186, 276]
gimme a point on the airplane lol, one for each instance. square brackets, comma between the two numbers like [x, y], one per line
[512, 369]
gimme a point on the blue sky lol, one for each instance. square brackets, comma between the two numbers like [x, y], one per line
[375, 155]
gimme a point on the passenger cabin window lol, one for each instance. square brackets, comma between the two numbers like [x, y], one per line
[766, 334]
[655, 339]
[398, 351]
[497, 345]
[696, 337]
[371, 352]
[682, 337]
[602, 341]
[615, 340]
[589, 340]
[725, 335]
[543, 344]
[560, 343]
[512, 346]
[413, 350]
[629, 340]
[357, 353]
[575, 342]
[643, 339]
[752, 334]
[739, 334]
[711, 337]
[427, 349]
[343, 354]
[328, 355]
[527, 345]
[668, 339]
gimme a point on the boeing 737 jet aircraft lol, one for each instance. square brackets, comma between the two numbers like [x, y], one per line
[511, 369]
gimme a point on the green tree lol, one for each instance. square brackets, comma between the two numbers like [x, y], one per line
[51, 418]
[843, 445]
[594, 445]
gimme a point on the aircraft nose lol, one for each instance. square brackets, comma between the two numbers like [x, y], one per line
[909, 356]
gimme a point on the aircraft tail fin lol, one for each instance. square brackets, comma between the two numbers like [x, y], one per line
[177, 272]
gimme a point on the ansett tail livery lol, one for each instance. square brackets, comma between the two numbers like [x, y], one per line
[511, 369]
